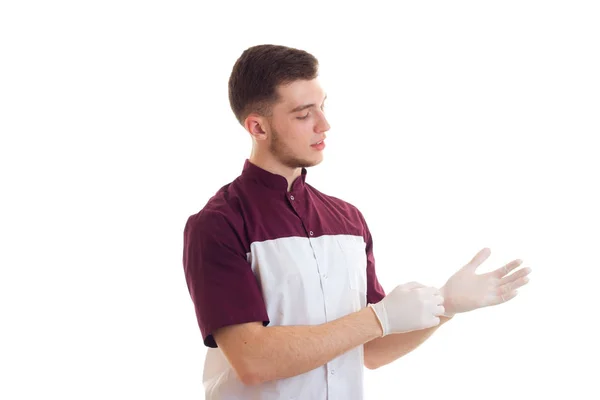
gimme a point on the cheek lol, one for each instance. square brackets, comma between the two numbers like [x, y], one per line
[297, 132]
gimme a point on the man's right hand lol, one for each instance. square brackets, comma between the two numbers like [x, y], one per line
[409, 307]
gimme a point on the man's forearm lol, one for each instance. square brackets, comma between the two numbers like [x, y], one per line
[384, 350]
[283, 351]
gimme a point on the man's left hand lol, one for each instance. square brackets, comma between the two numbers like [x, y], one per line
[466, 290]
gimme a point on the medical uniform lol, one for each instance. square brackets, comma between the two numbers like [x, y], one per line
[256, 252]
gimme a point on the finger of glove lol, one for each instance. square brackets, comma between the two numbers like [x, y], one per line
[411, 286]
[438, 299]
[479, 258]
[505, 270]
[428, 291]
[439, 310]
[514, 276]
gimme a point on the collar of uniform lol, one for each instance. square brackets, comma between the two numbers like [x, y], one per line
[271, 180]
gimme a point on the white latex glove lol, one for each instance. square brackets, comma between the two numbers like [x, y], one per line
[466, 290]
[409, 307]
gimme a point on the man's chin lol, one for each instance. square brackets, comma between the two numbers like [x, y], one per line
[302, 162]
[313, 163]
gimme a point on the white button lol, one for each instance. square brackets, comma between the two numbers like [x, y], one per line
[292, 197]
[311, 233]
[324, 276]
[333, 372]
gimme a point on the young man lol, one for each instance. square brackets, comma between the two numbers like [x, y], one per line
[283, 276]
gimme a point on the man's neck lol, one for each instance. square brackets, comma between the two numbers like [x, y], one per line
[274, 167]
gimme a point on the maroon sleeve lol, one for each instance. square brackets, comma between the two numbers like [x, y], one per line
[219, 278]
[375, 292]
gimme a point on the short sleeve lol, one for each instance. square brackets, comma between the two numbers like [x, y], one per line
[219, 278]
[375, 292]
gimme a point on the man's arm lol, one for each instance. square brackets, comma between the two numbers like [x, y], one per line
[384, 350]
[260, 354]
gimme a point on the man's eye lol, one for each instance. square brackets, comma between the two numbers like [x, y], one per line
[303, 117]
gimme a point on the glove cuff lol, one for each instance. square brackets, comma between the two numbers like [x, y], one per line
[446, 313]
[381, 315]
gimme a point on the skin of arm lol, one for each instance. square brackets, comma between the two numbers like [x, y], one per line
[260, 354]
[384, 350]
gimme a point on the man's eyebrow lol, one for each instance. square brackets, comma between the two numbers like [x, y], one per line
[305, 106]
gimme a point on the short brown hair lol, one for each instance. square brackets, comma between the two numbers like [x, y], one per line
[259, 70]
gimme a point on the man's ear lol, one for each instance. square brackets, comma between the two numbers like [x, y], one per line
[256, 126]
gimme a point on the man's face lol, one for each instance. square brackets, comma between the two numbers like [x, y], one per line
[298, 125]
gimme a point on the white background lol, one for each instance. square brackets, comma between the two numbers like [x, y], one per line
[455, 126]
